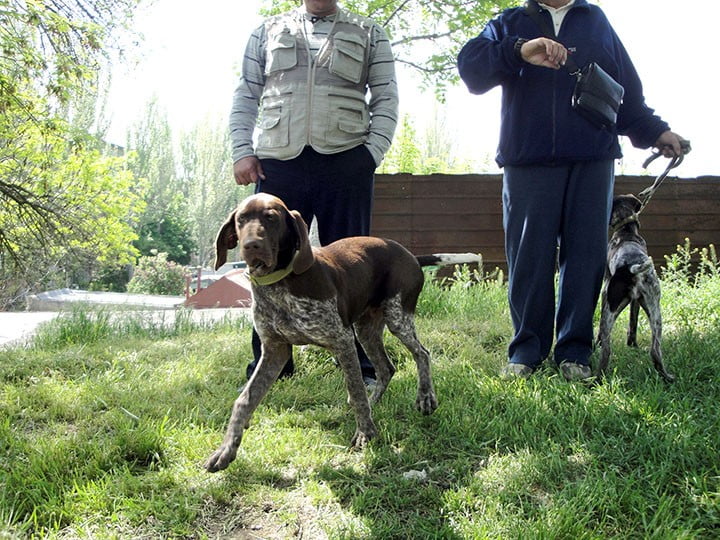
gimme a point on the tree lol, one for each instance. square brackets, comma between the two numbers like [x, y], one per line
[439, 150]
[426, 35]
[206, 172]
[164, 226]
[54, 47]
[433, 153]
[60, 199]
[404, 155]
[68, 208]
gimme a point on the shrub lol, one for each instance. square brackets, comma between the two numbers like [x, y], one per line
[156, 275]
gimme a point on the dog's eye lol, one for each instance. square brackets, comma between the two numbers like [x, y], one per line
[271, 216]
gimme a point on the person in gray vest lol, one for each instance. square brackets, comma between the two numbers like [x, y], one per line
[318, 84]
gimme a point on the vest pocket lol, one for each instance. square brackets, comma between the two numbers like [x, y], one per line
[281, 53]
[348, 121]
[348, 56]
[274, 127]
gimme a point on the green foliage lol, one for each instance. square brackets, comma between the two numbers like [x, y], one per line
[63, 204]
[693, 264]
[155, 274]
[212, 192]
[52, 48]
[110, 277]
[66, 209]
[691, 278]
[426, 35]
[82, 326]
[404, 154]
[170, 234]
[430, 154]
[164, 226]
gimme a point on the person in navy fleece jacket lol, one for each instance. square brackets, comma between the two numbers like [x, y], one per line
[558, 170]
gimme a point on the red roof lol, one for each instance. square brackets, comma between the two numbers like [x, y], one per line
[231, 290]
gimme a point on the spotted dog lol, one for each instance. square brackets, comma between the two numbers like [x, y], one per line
[324, 296]
[630, 279]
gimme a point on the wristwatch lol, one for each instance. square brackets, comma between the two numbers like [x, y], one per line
[518, 45]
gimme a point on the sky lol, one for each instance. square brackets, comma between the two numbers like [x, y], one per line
[191, 54]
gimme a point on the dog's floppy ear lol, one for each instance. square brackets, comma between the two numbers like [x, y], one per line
[305, 257]
[226, 239]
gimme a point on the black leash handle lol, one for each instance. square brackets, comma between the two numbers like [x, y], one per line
[647, 193]
[684, 145]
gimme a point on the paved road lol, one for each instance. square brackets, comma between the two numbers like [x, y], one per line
[18, 326]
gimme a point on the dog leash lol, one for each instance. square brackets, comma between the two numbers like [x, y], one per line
[647, 193]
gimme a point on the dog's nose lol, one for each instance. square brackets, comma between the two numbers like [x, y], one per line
[252, 244]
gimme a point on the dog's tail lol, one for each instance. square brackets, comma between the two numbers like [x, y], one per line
[444, 259]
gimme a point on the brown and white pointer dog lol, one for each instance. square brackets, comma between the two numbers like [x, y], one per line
[630, 279]
[306, 295]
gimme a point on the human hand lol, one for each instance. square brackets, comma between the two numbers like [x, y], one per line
[544, 52]
[670, 144]
[247, 170]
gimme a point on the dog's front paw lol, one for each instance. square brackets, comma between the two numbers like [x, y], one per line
[220, 460]
[426, 403]
[362, 438]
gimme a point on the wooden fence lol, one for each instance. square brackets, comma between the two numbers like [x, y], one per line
[459, 213]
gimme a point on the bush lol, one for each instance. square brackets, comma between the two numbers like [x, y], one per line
[111, 277]
[156, 275]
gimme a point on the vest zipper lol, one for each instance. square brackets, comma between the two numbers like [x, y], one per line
[311, 74]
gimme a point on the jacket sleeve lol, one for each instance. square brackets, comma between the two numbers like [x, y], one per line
[384, 97]
[489, 59]
[636, 120]
[246, 99]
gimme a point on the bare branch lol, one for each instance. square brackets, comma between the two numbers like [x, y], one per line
[397, 10]
[410, 39]
[425, 68]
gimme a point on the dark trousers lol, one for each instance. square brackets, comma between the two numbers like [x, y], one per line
[555, 216]
[336, 190]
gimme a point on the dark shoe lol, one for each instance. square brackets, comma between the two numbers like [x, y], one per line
[370, 383]
[572, 371]
[516, 371]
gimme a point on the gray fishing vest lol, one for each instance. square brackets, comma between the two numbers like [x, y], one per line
[320, 103]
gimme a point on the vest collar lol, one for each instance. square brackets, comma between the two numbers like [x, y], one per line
[305, 14]
[277, 275]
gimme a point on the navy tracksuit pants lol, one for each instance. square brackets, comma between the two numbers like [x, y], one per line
[336, 190]
[555, 217]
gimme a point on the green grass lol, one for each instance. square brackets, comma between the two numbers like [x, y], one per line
[105, 422]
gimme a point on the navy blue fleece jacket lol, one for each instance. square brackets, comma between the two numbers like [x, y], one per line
[538, 124]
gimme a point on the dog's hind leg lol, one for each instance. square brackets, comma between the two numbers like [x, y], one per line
[369, 331]
[632, 324]
[652, 309]
[607, 321]
[270, 365]
[402, 326]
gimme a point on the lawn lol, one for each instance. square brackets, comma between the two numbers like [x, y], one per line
[105, 422]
